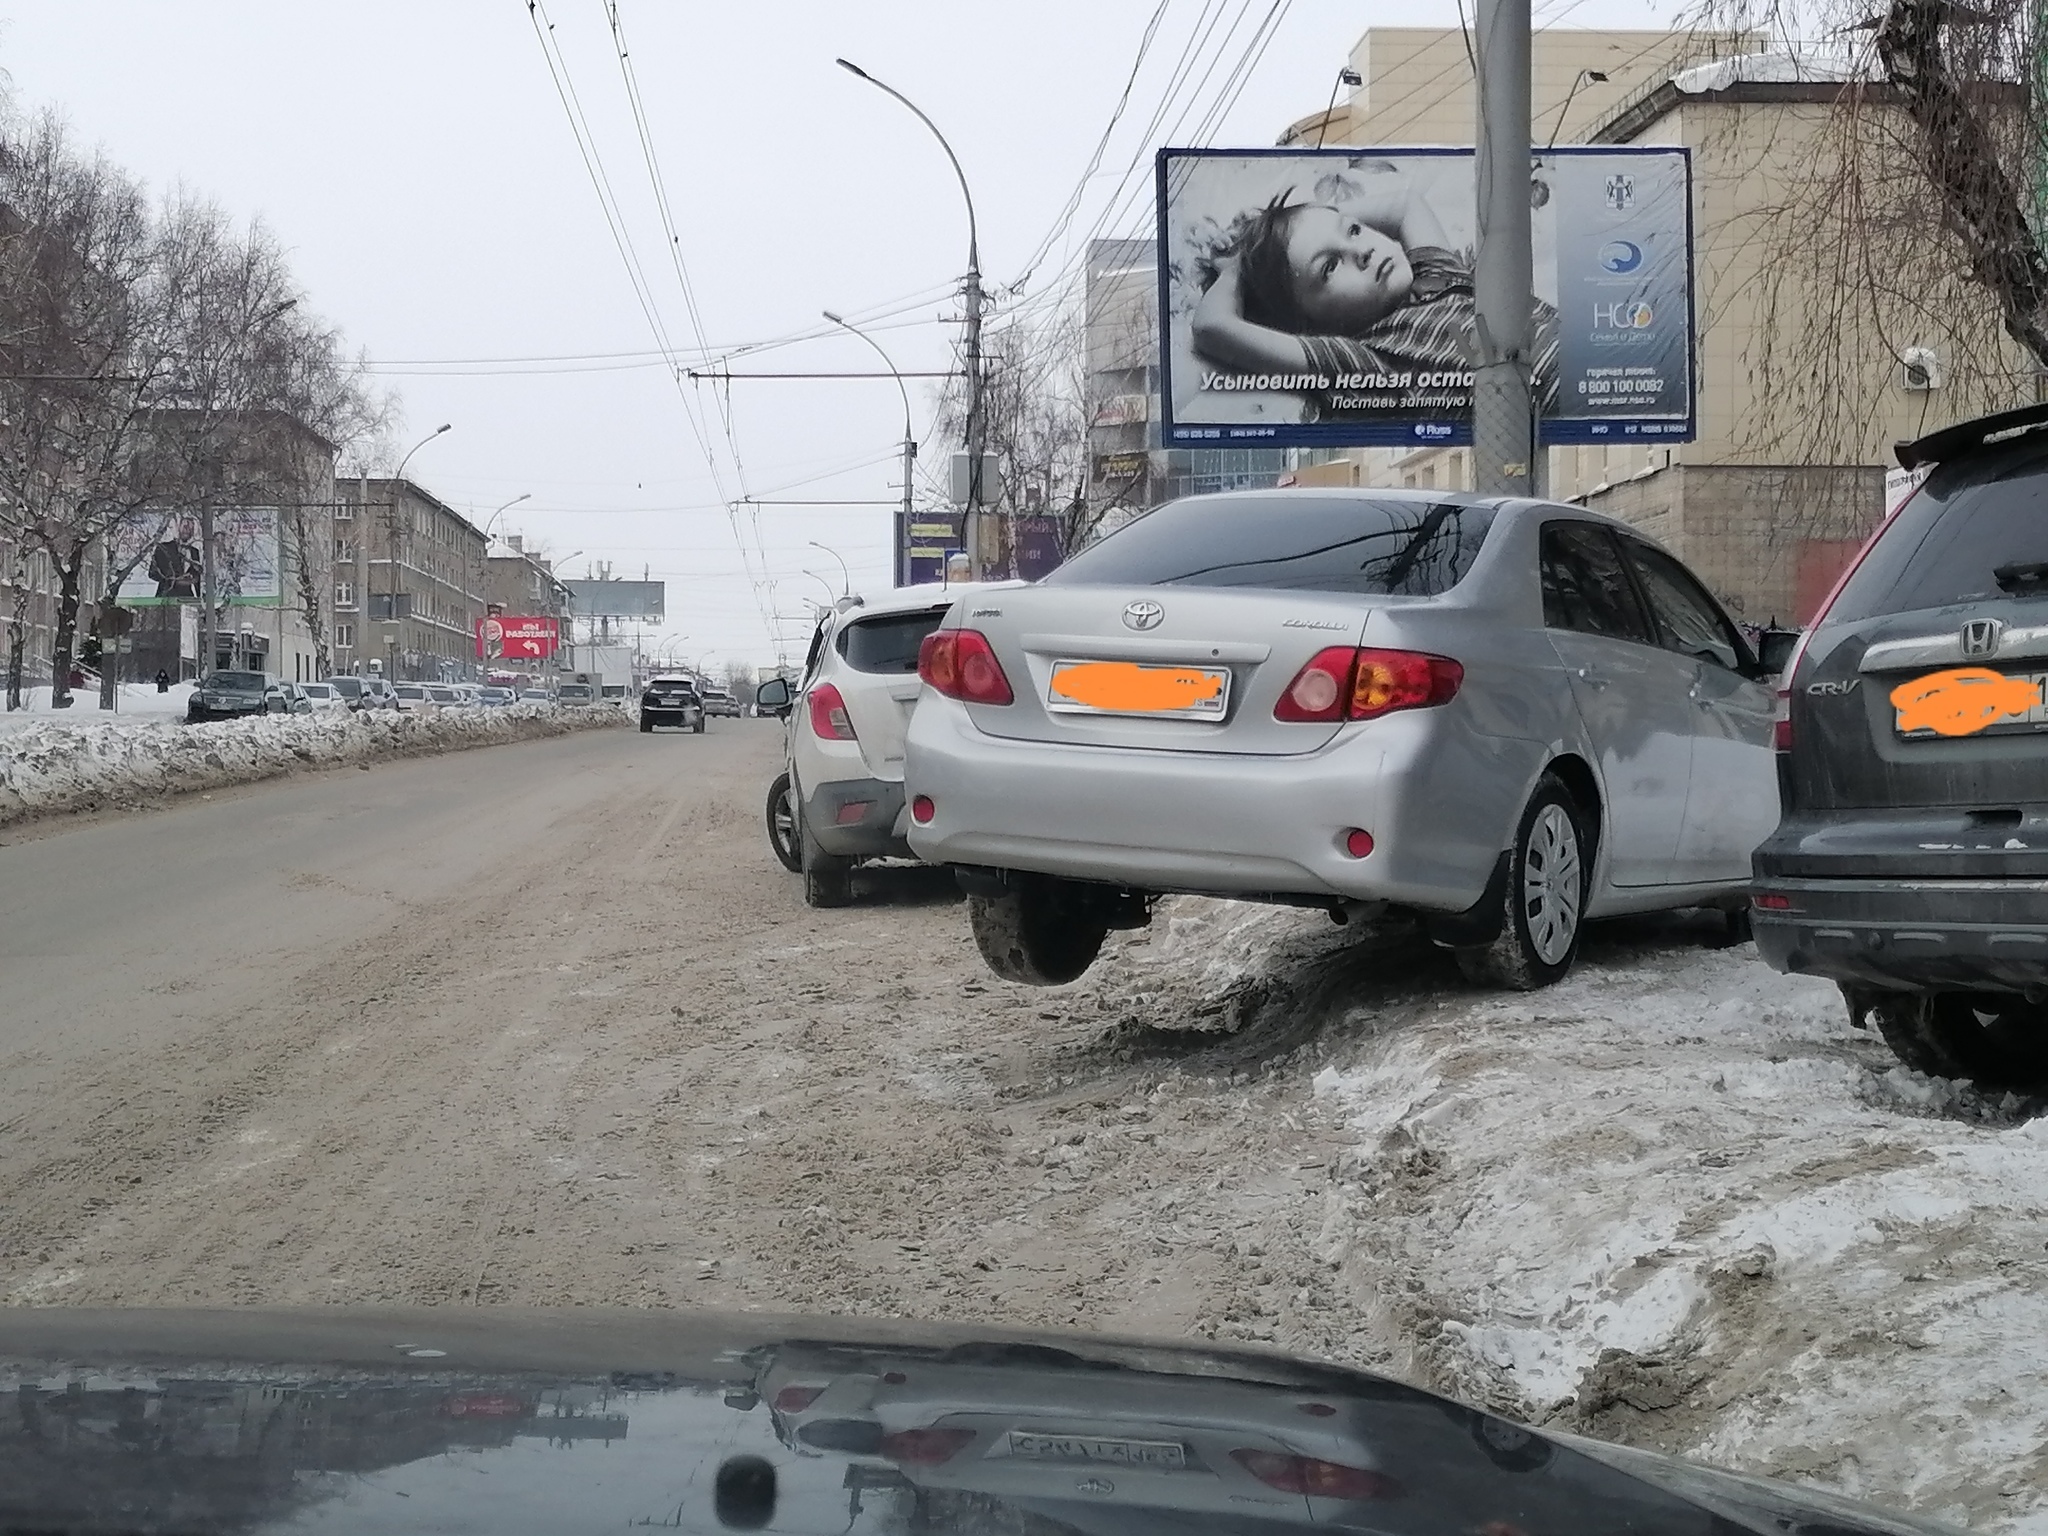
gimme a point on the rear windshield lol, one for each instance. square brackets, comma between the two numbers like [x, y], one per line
[235, 680]
[574, 691]
[1298, 542]
[347, 687]
[1950, 540]
[887, 642]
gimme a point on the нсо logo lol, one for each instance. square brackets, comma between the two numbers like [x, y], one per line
[1624, 315]
[1621, 191]
[1620, 256]
[1143, 615]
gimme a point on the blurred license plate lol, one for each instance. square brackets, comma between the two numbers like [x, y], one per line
[1094, 1450]
[2014, 702]
[1139, 688]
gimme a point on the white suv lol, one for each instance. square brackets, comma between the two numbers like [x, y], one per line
[841, 799]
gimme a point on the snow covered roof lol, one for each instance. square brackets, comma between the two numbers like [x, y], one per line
[1789, 68]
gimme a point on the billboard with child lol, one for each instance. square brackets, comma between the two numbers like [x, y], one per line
[1324, 297]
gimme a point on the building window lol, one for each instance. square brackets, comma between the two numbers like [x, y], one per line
[344, 550]
[344, 511]
[345, 637]
[344, 594]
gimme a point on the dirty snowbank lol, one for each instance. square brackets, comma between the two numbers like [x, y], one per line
[68, 764]
[1675, 1201]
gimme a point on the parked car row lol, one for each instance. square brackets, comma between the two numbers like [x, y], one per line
[1501, 717]
[226, 695]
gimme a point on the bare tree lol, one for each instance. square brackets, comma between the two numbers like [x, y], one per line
[1901, 230]
[85, 356]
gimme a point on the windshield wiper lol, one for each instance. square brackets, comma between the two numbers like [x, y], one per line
[2022, 578]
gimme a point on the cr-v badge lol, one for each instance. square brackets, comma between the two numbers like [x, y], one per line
[1143, 614]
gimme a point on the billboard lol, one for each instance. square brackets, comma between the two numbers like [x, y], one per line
[508, 639]
[1324, 297]
[168, 569]
[644, 600]
[922, 544]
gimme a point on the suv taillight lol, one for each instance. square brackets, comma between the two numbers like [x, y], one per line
[961, 664]
[1345, 682]
[829, 720]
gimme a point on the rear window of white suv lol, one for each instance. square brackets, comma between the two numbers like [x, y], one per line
[887, 642]
[1296, 542]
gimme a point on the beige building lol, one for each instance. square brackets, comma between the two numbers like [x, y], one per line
[409, 574]
[1804, 380]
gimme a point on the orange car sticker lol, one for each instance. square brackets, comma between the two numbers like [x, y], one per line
[1124, 685]
[1964, 701]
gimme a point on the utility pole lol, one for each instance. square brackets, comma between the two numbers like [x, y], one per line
[1503, 415]
[977, 421]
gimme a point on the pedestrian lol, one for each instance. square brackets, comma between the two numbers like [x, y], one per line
[163, 681]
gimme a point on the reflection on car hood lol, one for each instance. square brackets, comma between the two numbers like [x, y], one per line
[516, 1421]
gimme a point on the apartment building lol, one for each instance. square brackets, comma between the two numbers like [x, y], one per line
[409, 582]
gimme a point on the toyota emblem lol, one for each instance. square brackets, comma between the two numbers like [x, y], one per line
[1143, 615]
[1981, 637]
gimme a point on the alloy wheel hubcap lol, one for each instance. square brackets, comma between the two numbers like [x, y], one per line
[1552, 887]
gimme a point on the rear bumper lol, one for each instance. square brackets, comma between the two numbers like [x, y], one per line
[1438, 799]
[858, 818]
[1911, 935]
[671, 716]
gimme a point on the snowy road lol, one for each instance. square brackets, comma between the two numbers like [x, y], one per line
[545, 1024]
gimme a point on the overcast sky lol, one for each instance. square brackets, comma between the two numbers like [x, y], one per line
[416, 159]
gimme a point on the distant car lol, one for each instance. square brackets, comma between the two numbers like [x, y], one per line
[288, 699]
[1911, 866]
[718, 702]
[443, 696]
[412, 696]
[232, 695]
[840, 799]
[496, 698]
[671, 701]
[363, 692]
[576, 695]
[323, 696]
[535, 696]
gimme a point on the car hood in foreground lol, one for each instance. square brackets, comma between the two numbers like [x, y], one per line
[515, 1421]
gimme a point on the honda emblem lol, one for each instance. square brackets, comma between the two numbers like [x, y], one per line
[1981, 637]
[1143, 615]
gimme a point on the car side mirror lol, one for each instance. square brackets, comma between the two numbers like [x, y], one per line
[1774, 648]
[773, 695]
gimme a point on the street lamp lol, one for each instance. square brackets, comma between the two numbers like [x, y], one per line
[1583, 77]
[977, 427]
[821, 581]
[483, 570]
[909, 444]
[845, 576]
[391, 635]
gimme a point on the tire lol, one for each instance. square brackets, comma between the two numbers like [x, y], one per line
[1545, 901]
[828, 878]
[782, 834]
[698, 727]
[1037, 932]
[646, 726]
[1996, 1041]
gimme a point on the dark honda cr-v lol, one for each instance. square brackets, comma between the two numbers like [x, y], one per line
[1911, 865]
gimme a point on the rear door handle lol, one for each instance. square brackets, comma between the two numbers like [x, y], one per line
[1589, 677]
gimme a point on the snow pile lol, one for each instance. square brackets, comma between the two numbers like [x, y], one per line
[69, 761]
[138, 701]
[1677, 1201]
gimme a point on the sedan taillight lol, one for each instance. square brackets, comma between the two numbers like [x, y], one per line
[961, 664]
[829, 720]
[1345, 682]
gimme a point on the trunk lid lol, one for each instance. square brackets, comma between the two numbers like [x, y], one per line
[876, 674]
[1255, 640]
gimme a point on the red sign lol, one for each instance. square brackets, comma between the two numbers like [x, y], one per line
[517, 639]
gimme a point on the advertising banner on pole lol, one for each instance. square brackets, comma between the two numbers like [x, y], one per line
[509, 639]
[1323, 298]
[926, 539]
[245, 542]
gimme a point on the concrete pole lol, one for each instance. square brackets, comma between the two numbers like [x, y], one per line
[977, 425]
[903, 534]
[1503, 418]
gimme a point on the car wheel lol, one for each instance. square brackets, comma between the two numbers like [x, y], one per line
[646, 726]
[782, 826]
[1037, 932]
[1545, 899]
[1998, 1041]
[828, 878]
[698, 727]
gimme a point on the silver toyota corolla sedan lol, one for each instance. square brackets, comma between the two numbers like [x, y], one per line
[1503, 716]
